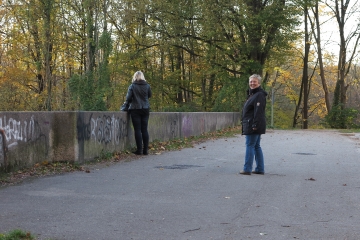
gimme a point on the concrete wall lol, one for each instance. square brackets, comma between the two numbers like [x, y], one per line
[27, 138]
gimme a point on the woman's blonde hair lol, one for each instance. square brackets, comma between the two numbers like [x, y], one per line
[138, 76]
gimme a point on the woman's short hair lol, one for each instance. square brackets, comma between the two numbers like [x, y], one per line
[138, 76]
[257, 76]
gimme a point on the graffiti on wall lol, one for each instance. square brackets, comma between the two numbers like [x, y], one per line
[20, 131]
[13, 131]
[102, 129]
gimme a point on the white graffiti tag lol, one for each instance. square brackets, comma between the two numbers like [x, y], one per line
[108, 129]
[17, 131]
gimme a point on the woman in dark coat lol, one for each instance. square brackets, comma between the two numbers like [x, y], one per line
[137, 98]
[253, 125]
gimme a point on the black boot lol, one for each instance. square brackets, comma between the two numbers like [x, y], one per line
[137, 152]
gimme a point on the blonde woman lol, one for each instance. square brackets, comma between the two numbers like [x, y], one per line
[137, 97]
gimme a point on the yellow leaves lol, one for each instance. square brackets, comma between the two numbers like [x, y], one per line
[45, 163]
[15, 75]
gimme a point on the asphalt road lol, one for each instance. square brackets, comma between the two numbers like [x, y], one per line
[311, 190]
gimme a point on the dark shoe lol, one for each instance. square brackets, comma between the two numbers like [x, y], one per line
[261, 173]
[245, 173]
[137, 153]
[145, 153]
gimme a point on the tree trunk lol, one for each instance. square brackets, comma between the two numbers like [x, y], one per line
[90, 32]
[179, 93]
[48, 5]
[341, 17]
[305, 79]
[342, 65]
[298, 104]
[317, 37]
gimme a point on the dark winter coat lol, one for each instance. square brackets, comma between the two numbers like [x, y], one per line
[138, 95]
[253, 113]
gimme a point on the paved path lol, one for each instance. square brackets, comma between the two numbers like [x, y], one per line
[311, 190]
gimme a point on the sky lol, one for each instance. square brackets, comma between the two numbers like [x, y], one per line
[330, 30]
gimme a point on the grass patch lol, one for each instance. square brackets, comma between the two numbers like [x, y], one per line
[105, 155]
[357, 130]
[16, 234]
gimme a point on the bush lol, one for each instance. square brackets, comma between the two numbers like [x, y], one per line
[342, 118]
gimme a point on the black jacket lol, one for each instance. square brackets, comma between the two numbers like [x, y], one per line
[253, 113]
[138, 95]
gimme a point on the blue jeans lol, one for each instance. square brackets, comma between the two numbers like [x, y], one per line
[253, 149]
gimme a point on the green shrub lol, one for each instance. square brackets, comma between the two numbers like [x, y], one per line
[342, 118]
[16, 234]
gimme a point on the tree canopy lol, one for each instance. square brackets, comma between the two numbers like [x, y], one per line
[196, 55]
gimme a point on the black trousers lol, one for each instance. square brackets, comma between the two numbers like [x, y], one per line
[140, 119]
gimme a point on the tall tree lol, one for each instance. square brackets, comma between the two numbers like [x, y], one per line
[34, 19]
[48, 6]
[316, 31]
[343, 11]
[267, 26]
[305, 77]
[92, 86]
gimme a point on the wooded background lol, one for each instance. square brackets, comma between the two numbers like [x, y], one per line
[66, 55]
